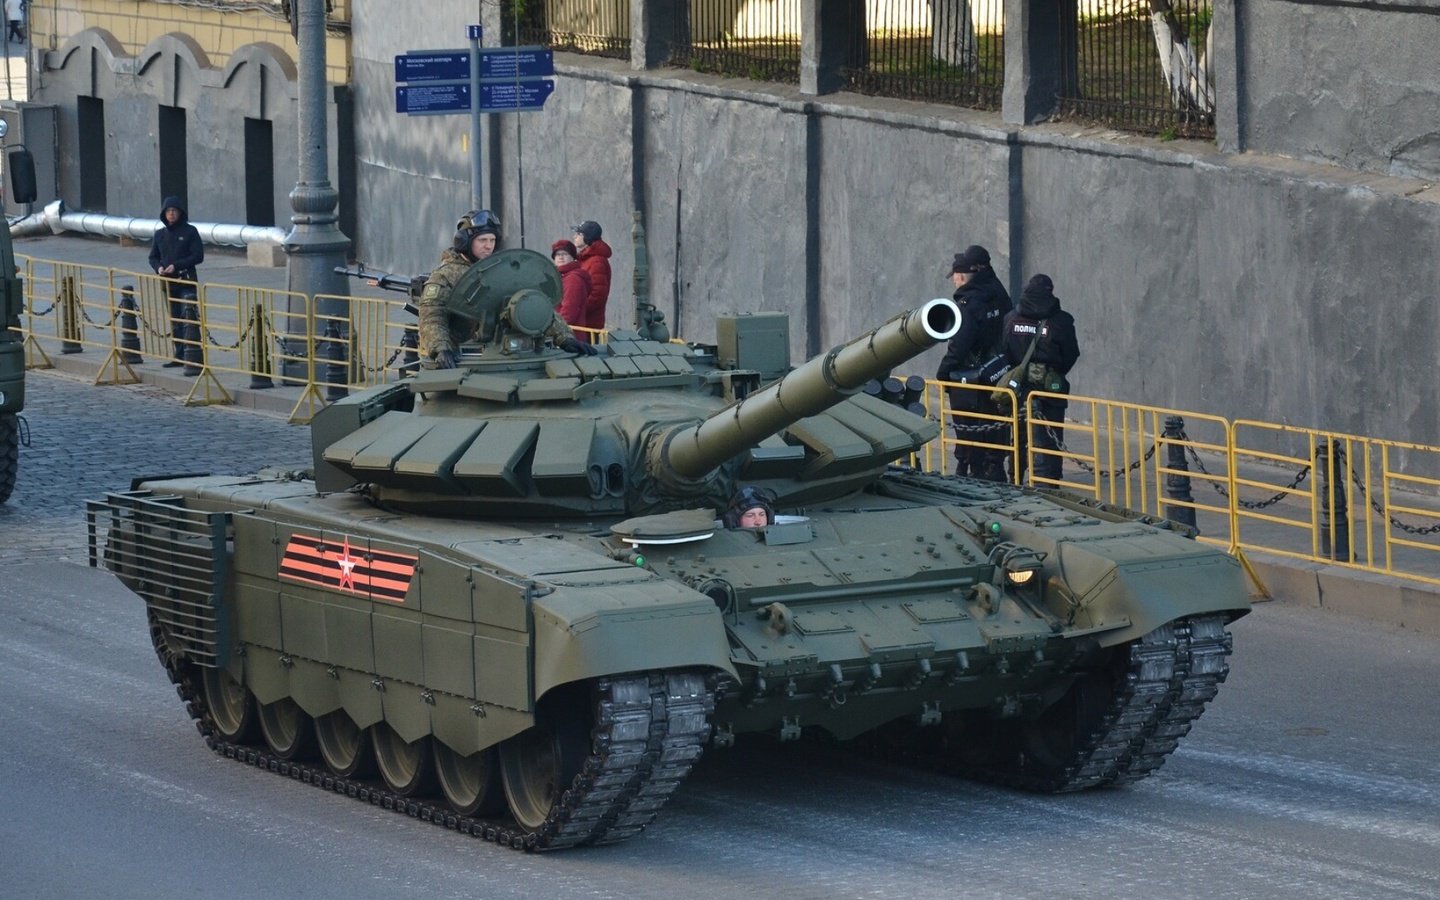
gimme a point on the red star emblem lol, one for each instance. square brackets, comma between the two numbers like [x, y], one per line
[347, 566]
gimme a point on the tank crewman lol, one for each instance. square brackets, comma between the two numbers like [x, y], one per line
[1040, 319]
[477, 234]
[983, 303]
[749, 508]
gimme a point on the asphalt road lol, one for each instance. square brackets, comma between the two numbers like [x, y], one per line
[1314, 774]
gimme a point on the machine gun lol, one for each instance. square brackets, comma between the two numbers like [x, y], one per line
[410, 285]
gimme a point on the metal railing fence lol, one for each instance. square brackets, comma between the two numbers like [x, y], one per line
[758, 41]
[594, 27]
[947, 51]
[1140, 65]
[1359, 502]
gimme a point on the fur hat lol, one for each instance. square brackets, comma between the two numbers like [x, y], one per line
[567, 246]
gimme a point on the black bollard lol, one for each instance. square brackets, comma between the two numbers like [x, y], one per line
[1177, 485]
[1334, 517]
[335, 368]
[410, 341]
[261, 367]
[69, 316]
[129, 327]
[193, 352]
[914, 390]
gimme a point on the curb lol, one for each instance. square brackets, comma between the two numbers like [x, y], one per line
[1412, 605]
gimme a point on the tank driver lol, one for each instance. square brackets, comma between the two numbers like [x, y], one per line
[749, 508]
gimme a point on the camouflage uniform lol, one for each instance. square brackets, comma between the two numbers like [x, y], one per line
[441, 331]
[438, 329]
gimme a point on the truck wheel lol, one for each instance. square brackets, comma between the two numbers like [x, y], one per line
[9, 453]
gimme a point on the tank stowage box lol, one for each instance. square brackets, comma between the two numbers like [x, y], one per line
[758, 341]
[507, 599]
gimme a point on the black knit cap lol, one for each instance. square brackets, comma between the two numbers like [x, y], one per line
[589, 230]
[970, 260]
[1039, 287]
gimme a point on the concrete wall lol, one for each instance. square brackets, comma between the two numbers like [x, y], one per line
[1340, 83]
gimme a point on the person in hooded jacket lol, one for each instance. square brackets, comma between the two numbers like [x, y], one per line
[574, 286]
[983, 303]
[595, 260]
[1039, 319]
[175, 251]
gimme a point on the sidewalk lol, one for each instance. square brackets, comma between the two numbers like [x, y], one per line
[1398, 601]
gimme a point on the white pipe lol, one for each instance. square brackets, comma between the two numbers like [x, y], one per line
[55, 219]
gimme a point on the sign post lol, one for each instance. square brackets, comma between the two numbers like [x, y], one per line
[475, 80]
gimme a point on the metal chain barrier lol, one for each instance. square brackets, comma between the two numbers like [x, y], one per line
[1380, 510]
[1105, 473]
[1248, 504]
[84, 314]
[238, 341]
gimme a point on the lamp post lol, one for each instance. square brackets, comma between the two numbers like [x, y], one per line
[315, 245]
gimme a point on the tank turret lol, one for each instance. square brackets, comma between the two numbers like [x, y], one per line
[526, 428]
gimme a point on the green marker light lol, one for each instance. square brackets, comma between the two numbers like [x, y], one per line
[994, 527]
[639, 560]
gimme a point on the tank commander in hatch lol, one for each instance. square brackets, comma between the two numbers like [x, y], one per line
[749, 508]
[477, 234]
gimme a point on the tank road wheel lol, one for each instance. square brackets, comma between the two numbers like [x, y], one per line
[538, 765]
[287, 729]
[1052, 740]
[343, 745]
[9, 453]
[471, 784]
[231, 706]
[407, 769]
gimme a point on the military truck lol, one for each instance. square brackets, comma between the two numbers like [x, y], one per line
[504, 599]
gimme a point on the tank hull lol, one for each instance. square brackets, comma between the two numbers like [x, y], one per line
[884, 618]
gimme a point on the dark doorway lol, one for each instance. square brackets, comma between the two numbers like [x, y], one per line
[174, 181]
[259, 172]
[90, 125]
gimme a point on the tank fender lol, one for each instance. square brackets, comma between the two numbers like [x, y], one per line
[589, 630]
[1143, 576]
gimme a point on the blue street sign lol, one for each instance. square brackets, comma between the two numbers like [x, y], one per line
[515, 96]
[516, 62]
[473, 32]
[433, 99]
[433, 65]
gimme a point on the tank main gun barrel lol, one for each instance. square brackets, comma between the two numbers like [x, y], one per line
[693, 450]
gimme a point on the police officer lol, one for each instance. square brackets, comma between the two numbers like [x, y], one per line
[1039, 319]
[476, 235]
[983, 303]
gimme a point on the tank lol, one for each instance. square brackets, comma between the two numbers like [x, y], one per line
[12, 366]
[504, 600]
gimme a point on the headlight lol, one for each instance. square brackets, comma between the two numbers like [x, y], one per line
[1018, 563]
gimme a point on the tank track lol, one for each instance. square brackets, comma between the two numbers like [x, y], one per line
[1169, 676]
[650, 730]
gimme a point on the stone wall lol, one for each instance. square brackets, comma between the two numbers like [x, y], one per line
[1341, 83]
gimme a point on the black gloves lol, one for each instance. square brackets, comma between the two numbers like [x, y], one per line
[445, 359]
[571, 345]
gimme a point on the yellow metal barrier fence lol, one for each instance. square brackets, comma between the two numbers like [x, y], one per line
[1329, 497]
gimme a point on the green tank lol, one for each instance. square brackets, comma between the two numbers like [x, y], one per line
[503, 600]
[12, 366]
